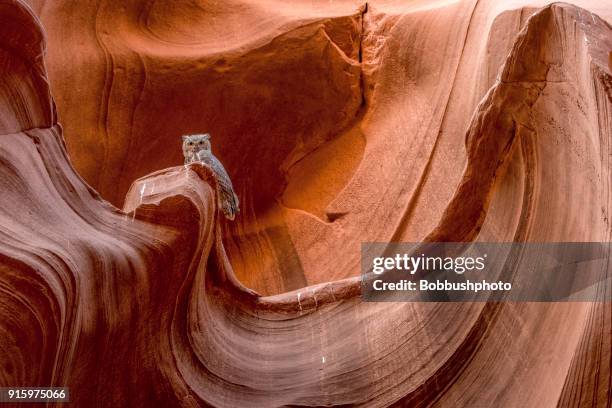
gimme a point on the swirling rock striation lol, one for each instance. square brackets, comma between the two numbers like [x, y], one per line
[142, 306]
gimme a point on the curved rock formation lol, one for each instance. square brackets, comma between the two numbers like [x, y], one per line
[340, 123]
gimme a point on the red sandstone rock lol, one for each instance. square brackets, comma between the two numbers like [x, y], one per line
[339, 124]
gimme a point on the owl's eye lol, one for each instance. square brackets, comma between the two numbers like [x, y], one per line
[201, 142]
[190, 143]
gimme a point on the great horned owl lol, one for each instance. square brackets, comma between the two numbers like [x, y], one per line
[196, 148]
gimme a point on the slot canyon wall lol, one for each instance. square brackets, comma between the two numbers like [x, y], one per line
[340, 122]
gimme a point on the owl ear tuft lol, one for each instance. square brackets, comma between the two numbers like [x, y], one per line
[185, 137]
[207, 136]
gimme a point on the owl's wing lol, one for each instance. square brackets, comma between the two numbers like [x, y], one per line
[227, 198]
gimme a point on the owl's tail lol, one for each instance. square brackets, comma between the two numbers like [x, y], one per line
[230, 206]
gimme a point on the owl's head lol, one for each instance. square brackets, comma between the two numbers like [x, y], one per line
[195, 143]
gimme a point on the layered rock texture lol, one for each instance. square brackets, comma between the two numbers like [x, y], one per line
[340, 122]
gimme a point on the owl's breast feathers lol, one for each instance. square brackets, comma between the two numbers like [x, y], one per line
[190, 157]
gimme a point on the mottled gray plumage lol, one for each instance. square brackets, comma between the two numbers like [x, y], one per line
[197, 148]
